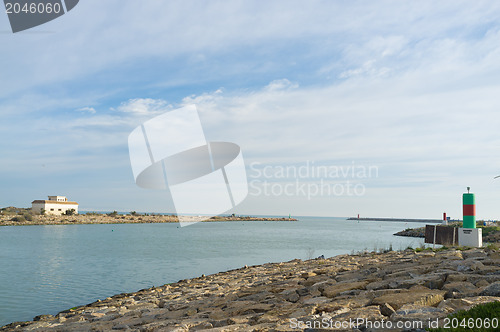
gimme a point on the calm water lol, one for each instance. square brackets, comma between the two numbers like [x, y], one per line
[47, 269]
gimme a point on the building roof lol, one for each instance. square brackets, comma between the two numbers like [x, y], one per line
[42, 201]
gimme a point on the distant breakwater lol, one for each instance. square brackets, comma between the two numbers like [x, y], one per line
[397, 219]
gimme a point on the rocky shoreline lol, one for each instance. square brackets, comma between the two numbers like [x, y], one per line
[408, 287]
[7, 220]
[412, 232]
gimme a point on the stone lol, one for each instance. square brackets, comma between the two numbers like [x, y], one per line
[492, 290]
[351, 301]
[412, 313]
[293, 297]
[369, 313]
[482, 283]
[424, 298]
[382, 284]
[386, 309]
[457, 277]
[121, 327]
[431, 280]
[461, 287]
[474, 254]
[43, 318]
[450, 254]
[350, 277]
[332, 291]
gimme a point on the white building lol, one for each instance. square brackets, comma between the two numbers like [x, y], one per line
[57, 205]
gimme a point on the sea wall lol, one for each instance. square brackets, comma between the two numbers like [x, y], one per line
[404, 287]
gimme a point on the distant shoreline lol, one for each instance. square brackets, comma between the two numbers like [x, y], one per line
[83, 219]
[397, 219]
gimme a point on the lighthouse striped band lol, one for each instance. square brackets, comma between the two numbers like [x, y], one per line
[469, 210]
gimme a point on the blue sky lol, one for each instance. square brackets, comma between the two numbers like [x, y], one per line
[408, 87]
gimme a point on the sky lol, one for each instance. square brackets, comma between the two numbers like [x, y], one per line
[383, 108]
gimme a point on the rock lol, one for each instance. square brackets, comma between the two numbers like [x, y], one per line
[492, 290]
[191, 312]
[121, 327]
[369, 313]
[474, 254]
[457, 277]
[423, 298]
[303, 291]
[293, 297]
[332, 291]
[351, 302]
[431, 281]
[382, 284]
[412, 313]
[463, 288]
[43, 318]
[306, 275]
[468, 265]
[386, 310]
[482, 283]
[453, 305]
[202, 326]
[475, 300]
[450, 254]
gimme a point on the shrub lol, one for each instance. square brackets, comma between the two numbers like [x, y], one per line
[19, 219]
[69, 212]
[489, 229]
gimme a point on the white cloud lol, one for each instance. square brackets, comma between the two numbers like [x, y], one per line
[87, 109]
[282, 84]
[144, 106]
[96, 36]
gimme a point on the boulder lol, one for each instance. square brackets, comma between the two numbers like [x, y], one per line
[492, 290]
[386, 309]
[430, 280]
[334, 290]
[369, 313]
[460, 289]
[474, 254]
[412, 313]
[417, 297]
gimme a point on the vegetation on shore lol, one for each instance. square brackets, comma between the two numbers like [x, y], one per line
[12, 216]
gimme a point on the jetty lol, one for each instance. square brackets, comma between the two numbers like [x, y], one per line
[398, 219]
[395, 287]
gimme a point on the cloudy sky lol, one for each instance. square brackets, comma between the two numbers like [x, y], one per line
[409, 89]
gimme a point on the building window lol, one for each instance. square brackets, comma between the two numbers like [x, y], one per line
[51, 209]
[59, 210]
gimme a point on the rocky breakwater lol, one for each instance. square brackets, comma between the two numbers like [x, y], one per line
[405, 286]
[412, 232]
[94, 218]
